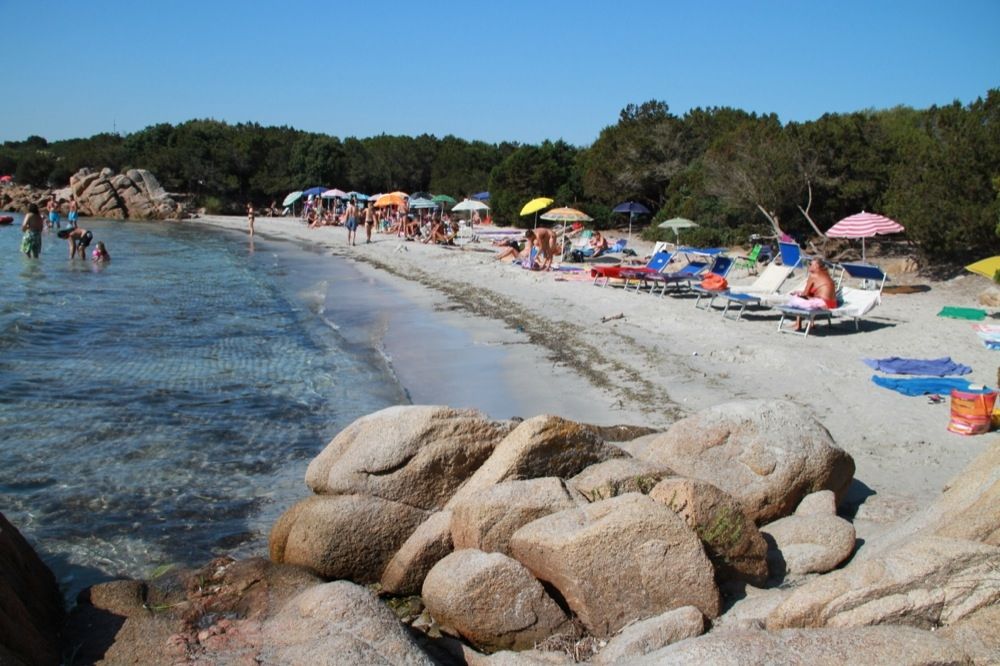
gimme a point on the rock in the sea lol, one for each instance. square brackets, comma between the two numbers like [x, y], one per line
[619, 560]
[618, 476]
[541, 446]
[135, 194]
[812, 540]
[767, 454]
[732, 541]
[418, 455]
[337, 623]
[344, 536]
[652, 634]
[491, 600]
[925, 583]
[31, 609]
[428, 544]
[485, 520]
[899, 646]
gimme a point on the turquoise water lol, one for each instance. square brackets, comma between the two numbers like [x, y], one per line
[161, 409]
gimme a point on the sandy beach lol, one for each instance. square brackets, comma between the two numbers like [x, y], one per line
[664, 359]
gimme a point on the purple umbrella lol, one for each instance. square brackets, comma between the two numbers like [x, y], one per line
[633, 208]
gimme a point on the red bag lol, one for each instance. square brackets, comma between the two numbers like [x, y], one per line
[714, 282]
[971, 412]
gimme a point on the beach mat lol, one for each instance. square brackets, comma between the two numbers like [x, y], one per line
[937, 367]
[972, 314]
[922, 385]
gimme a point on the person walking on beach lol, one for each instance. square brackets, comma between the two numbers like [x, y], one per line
[31, 242]
[250, 217]
[351, 221]
[369, 221]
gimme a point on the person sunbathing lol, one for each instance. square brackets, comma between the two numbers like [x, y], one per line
[818, 293]
[597, 245]
[510, 250]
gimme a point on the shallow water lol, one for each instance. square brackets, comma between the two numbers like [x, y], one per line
[162, 408]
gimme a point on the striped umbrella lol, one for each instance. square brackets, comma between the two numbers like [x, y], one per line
[566, 215]
[864, 225]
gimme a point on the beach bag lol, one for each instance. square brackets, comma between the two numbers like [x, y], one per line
[971, 412]
[714, 282]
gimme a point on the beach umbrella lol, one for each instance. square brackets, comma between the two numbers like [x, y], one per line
[392, 199]
[357, 195]
[292, 198]
[481, 196]
[420, 195]
[469, 205]
[334, 194]
[6, 179]
[443, 198]
[314, 191]
[864, 225]
[633, 208]
[986, 267]
[566, 215]
[534, 206]
[677, 223]
[420, 203]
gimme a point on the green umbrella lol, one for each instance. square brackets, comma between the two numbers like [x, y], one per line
[443, 198]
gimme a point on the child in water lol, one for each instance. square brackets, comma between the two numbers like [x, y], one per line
[100, 253]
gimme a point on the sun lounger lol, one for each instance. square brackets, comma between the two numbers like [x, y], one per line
[694, 270]
[853, 303]
[657, 263]
[766, 284]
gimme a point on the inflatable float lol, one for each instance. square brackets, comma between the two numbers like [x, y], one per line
[6, 219]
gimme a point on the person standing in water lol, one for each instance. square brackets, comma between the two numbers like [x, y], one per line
[31, 242]
[250, 217]
[53, 212]
[78, 239]
[73, 211]
[351, 221]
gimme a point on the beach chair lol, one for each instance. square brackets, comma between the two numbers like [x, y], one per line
[741, 297]
[790, 253]
[695, 269]
[852, 302]
[656, 263]
[749, 261]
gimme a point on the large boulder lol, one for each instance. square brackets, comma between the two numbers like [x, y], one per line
[428, 544]
[31, 609]
[618, 476]
[978, 633]
[486, 520]
[337, 623]
[491, 600]
[732, 541]
[768, 454]
[925, 583]
[900, 646]
[135, 194]
[619, 560]
[541, 446]
[344, 536]
[812, 540]
[652, 634]
[418, 455]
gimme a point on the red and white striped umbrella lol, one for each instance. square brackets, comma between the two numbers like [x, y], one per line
[864, 225]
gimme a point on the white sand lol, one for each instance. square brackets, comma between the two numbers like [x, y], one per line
[665, 359]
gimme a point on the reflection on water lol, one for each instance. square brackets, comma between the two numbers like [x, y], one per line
[162, 408]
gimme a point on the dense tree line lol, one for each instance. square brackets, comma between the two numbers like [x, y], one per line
[936, 170]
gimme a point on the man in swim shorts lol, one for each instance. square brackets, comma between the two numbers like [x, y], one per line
[53, 212]
[71, 218]
[351, 221]
[31, 242]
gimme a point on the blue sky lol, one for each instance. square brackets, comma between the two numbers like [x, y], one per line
[513, 70]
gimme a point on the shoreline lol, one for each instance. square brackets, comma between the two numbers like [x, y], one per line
[664, 359]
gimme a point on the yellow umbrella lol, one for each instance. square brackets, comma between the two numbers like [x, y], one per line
[986, 267]
[536, 205]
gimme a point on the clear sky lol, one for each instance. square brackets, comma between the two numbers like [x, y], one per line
[493, 71]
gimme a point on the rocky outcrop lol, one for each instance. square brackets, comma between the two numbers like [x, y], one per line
[135, 194]
[732, 541]
[812, 540]
[417, 455]
[926, 583]
[646, 636]
[486, 520]
[618, 476]
[31, 609]
[491, 600]
[619, 560]
[766, 454]
[344, 536]
[428, 544]
[541, 446]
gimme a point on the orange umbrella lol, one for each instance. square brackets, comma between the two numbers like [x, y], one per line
[392, 199]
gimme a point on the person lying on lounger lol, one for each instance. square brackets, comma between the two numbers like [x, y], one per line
[818, 293]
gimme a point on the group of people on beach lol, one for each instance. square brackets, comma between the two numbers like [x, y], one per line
[547, 246]
[77, 237]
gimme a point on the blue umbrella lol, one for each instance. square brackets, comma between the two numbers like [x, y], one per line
[633, 208]
[481, 196]
[314, 191]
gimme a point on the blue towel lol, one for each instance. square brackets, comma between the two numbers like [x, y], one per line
[936, 367]
[923, 385]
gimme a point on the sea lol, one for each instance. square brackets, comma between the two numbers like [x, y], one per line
[160, 409]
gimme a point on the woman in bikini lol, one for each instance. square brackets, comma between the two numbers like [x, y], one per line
[818, 293]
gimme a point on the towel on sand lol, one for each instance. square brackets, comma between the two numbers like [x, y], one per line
[936, 367]
[922, 385]
[989, 334]
[974, 314]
